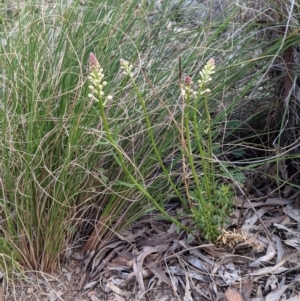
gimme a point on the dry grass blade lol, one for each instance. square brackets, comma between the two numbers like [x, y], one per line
[2, 294]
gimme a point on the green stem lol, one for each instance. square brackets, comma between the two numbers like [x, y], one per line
[209, 140]
[208, 119]
[203, 156]
[150, 133]
[191, 160]
[125, 169]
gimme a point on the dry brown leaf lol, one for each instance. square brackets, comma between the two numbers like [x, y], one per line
[282, 227]
[120, 262]
[229, 273]
[239, 202]
[138, 265]
[195, 252]
[176, 270]
[293, 243]
[296, 298]
[271, 252]
[203, 290]
[269, 270]
[94, 298]
[255, 216]
[196, 262]
[292, 212]
[98, 261]
[229, 258]
[162, 248]
[117, 290]
[127, 255]
[279, 248]
[127, 235]
[187, 293]
[276, 294]
[158, 272]
[271, 283]
[158, 239]
[278, 201]
[90, 285]
[277, 268]
[118, 298]
[273, 270]
[232, 295]
[246, 289]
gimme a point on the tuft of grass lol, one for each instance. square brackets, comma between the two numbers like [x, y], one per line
[50, 157]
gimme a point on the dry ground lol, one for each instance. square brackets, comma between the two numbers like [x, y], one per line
[257, 258]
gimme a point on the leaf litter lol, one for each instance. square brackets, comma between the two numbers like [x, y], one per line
[151, 260]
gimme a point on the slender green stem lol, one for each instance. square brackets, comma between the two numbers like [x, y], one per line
[150, 133]
[203, 155]
[209, 137]
[191, 158]
[124, 167]
[210, 174]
